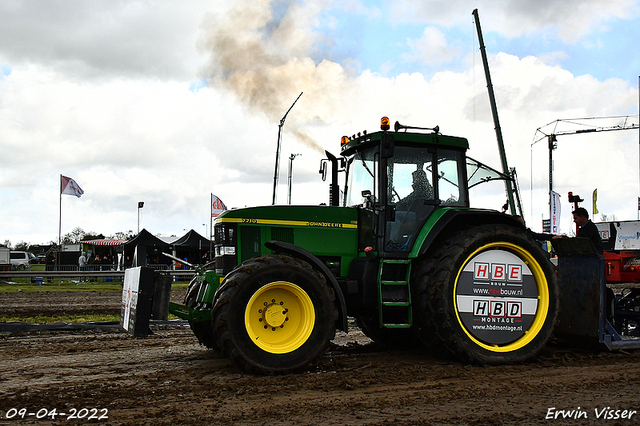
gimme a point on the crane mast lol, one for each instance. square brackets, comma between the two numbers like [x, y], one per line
[494, 112]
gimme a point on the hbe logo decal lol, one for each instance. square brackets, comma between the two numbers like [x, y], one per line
[497, 272]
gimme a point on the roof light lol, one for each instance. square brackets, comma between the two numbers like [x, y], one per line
[344, 141]
[384, 123]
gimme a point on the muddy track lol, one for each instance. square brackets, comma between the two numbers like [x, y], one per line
[167, 378]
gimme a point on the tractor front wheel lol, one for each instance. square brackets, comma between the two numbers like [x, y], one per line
[202, 329]
[190, 298]
[274, 314]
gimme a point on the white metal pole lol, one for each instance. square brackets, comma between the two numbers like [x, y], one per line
[291, 158]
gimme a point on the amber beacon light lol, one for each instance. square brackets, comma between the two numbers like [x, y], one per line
[384, 123]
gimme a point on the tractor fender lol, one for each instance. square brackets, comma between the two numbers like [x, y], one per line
[455, 219]
[310, 258]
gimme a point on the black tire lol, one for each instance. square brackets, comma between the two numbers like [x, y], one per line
[274, 314]
[482, 318]
[190, 298]
[202, 330]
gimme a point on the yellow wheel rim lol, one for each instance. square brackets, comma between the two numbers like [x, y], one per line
[542, 297]
[280, 317]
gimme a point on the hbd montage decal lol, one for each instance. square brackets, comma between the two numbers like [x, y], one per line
[496, 296]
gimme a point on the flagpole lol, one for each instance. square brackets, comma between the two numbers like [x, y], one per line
[60, 215]
[210, 226]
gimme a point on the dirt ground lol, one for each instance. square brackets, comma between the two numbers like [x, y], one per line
[167, 378]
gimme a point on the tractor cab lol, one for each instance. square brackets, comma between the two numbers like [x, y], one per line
[403, 178]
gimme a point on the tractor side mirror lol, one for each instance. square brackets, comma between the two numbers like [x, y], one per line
[323, 169]
[369, 199]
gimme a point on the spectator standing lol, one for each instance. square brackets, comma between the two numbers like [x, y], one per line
[82, 262]
[587, 229]
[96, 263]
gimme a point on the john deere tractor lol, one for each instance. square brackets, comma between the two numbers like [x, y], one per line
[401, 252]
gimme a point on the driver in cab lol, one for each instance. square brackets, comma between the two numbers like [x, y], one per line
[422, 190]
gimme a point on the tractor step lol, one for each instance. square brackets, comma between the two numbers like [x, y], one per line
[394, 293]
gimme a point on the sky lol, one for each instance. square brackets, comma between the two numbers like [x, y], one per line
[169, 102]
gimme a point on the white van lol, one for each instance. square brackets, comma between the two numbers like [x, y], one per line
[20, 259]
[5, 263]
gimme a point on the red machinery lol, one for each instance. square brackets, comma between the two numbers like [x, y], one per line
[621, 241]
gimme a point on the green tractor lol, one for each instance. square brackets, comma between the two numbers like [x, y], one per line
[402, 253]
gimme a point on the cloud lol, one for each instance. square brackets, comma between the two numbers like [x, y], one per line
[431, 49]
[102, 38]
[570, 20]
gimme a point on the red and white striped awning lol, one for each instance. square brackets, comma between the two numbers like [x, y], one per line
[104, 242]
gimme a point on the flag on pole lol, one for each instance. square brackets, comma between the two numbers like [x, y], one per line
[217, 206]
[595, 198]
[70, 187]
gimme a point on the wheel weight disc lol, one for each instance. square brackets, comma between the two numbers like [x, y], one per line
[501, 297]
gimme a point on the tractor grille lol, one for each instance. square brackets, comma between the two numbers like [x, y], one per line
[250, 242]
[282, 234]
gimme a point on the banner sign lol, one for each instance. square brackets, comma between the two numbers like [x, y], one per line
[555, 212]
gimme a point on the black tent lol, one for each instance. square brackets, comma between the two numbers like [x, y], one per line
[150, 249]
[193, 246]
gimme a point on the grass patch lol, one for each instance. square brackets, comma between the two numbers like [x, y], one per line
[50, 319]
[63, 287]
[37, 268]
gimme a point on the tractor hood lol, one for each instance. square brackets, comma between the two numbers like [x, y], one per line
[330, 232]
[305, 216]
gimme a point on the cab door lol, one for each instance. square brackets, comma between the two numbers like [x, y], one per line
[420, 179]
[411, 195]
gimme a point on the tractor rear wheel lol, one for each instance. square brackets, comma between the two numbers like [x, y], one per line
[274, 314]
[491, 296]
